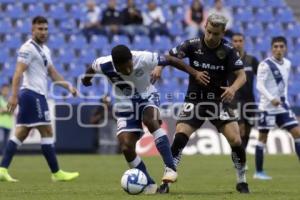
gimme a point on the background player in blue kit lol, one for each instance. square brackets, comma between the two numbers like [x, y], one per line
[272, 84]
[34, 63]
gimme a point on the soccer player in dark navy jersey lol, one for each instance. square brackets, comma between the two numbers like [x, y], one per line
[217, 59]
[244, 101]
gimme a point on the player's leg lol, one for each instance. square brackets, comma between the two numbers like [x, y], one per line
[245, 130]
[296, 135]
[289, 122]
[127, 142]
[11, 148]
[48, 149]
[231, 131]
[151, 119]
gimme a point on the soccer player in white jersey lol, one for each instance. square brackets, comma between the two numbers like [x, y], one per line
[137, 103]
[34, 64]
[272, 83]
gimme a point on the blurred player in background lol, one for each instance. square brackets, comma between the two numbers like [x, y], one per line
[272, 84]
[137, 103]
[244, 100]
[34, 64]
[216, 58]
[6, 118]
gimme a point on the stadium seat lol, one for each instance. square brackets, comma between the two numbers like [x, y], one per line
[58, 12]
[77, 41]
[36, 9]
[13, 41]
[254, 29]
[263, 44]
[120, 39]
[235, 3]
[285, 15]
[275, 3]
[274, 29]
[176, 28]
[162, 43]
[141, 42]
[255, 3]
[243, 15]
[14, 11]
[24, 26]
[264, 15]
[293, 30]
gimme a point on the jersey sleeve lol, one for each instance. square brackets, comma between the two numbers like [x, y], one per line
[263, 72]
[181, 51]
[97, 66]
[234, 61]
[150, 60]
[25, 55]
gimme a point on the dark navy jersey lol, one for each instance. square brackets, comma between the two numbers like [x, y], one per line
[219, 62]
[245, 93]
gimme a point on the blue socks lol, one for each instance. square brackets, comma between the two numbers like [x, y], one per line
[163, 146]
[49, 153]
[259, 156]
[9, 152]
[139, 164]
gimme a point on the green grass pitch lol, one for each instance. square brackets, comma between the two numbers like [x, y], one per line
[200, 178]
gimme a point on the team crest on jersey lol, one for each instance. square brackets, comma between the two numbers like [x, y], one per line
[139, 73]
[199, 51]
[239, 62]
[221, 54]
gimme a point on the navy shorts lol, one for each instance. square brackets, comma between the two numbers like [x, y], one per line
[33, 109]
[286, 120]
[130, 120]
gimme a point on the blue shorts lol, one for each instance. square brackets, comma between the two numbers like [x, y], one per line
[286, 120]
[131, 120]
[33, 109]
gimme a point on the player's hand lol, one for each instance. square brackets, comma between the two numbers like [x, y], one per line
[12, 104]
[276, 102]
[86, 82]
[228, 94]
[202, 77]
[73, 91]
[156, 74]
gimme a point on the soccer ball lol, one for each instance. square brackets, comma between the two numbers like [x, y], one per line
[134, 181]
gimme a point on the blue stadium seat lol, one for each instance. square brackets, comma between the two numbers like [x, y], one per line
[24, 26]
[174, 2]
[36, 9]
[274, 29]
[120, 39]
[28, 1]
[77, 41]
[235, 3]
[176, 28]
[254, 29]
[275, 3]
[243, 15]
[285, 15]
[5, 26]
[14, 11]
[264, 15]
[58, 12]
[13, 41]
[255, 3]
[57, 41]
[293, 30]
[263, 44]
[141, 42]
[162, 43]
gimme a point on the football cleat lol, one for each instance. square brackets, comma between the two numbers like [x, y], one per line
[5, 177]
[150, 189]
[64, 176]
[261, 176]
[242, 188]
[164, 188]
[170, 176]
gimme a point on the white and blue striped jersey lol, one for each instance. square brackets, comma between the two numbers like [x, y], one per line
[138, 83]
[272, 82]
[38, 59]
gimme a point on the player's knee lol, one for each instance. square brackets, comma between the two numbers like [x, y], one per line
[235, 141]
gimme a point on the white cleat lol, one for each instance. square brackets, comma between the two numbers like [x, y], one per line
[261, 176]
[150, 189]
[170, 176]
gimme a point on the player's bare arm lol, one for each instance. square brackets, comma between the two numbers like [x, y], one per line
[229, 92]
[88, 76]
[13, 100]
[201, 76]
[56, 77]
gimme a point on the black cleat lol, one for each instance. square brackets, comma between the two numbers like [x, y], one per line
[242, 188]
[163, 188]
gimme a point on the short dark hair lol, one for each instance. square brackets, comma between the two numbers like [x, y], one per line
[121, 54]
[278, 39]
[238, 34]
[39, 20]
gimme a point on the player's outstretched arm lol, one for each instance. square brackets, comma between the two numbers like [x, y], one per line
[200, 76]
[56, 77]
[88, 76]
[13, 100]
